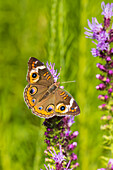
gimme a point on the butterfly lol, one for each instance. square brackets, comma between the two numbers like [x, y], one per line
[44, 96]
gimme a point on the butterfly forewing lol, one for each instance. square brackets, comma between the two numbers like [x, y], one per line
[38, 73]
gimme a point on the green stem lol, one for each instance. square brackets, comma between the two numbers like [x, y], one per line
[61, 30]
[52, 43]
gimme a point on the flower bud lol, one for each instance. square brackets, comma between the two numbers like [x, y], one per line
[101, 67]
[74, 135]
[110, 164]
[106, 117]
[111, 51]
[72, 146]
[110, 90]
[105, 127]
[110, 72]
[101, 86]
[108, 58]
[103, 97]
[103, 107]
[73, 157]
[102, 78]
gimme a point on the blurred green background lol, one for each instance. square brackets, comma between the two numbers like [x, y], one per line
[50, 30]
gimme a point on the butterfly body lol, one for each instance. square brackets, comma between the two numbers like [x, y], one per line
[44, 96]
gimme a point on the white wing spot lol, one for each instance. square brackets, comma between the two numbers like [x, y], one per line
[36, 69]
[76, 107]
[71, 102]
[36, 62]
[41, 67]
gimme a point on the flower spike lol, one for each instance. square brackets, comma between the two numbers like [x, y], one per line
[102, 36]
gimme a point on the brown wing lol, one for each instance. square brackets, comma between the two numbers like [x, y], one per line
[33, 94]
[38, 73]
[59, 102]
[39, 79]
[44, 101]
[65, 104]
[45, 108]
[40, 100]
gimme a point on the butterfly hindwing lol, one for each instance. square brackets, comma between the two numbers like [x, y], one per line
[33, 94]
[65, 104]
[46, 107]
[57, 102]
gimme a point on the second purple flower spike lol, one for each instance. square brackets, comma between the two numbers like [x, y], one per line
[102, 35]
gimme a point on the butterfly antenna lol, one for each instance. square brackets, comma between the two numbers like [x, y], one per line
[69, 81]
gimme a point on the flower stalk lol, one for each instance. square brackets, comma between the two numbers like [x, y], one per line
[102, 35]
[59, 138]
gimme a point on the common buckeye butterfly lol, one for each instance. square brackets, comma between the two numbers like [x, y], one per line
[44, 96]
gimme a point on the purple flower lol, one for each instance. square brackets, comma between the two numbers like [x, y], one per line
[71, 121]
[111, 35]
[67, 168]
[111, 50]
[103, 97]
[107, 80]
[110, 90]
[49, 167]
[106, 117]
[102, 38]
[58, 158]
[109, 166]
[53, 71]
[67, 132]
[108, 59]
[73, 156]
[47, 141]
[74, 135]
[48, 129]
[58, 137]
[102, 78]
[95, 52]
[62, 87]
[107, 10]
[55, 137]
[103, 35]
[111, 64]
[101, 67]
[110, 72]
[101, 86]
[72, 146]
[103, 106]
[58, 133]
[110, 163]
[95, 28]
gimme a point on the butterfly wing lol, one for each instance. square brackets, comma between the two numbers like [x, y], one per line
[46, 104]
[33, 94]
[38, 99]
[65, 104]
[59, 102]
[45, 108]
[38, 73]
[43, 96]
[39, 79]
